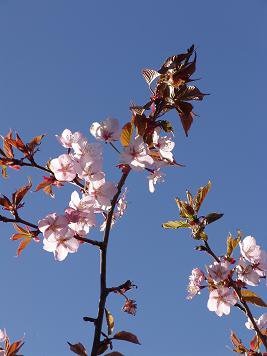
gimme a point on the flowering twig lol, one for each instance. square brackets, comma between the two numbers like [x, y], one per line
[243, 302]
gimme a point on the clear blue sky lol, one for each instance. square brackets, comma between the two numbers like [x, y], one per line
[67, 63]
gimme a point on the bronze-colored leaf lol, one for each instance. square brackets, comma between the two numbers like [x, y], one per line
[42, 185]
[201, 195]
[15, 237]
[20, 229]
[251, 297]
[232, 243]
[190, 198]
[186, 115]
[126, 336]
[210, 218]
[23, 245]
[103, 346]
[36, 141]
[19, 144]
[6, 203]
[140, 122]
[7, 146]
[175, 224]
[237, 343]
[21, 192]
[110, 321]
[15, 347]
[126, 134]
[48, 190]
[78, 349]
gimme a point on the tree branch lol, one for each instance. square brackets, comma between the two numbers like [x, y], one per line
[104, 291]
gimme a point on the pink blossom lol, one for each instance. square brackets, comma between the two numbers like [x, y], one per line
[249, 249]
[164, 144]
[121, 206]
[3, 335]
[61, 245]
[196, 279]
[219, 271]
[247, 274]
[64, 168]
[154, 178]
[136, 155]
[107, 130]
[221, 299]
[91, 168]
[103, 192]
[68, 139]
[53, 225]
[260, 266]
[82, 205]
[261, 322]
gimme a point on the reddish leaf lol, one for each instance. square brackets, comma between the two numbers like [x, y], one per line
[19, 144]
[238, 345]
[36, 141]
[126, 336]
[21, 192]
[6, 203]
[126, 134]
[20, 229]
[255, 343]
[186, 115]
[114, 353]
[48, 190]
[78, 349]
[7, 146]
[23, 245]
[251, 297]
[42, 185]
[15, 347]
[15, 237]
[102, 347]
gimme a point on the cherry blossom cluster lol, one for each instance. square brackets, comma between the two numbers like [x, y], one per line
[84, 161]
[220, 276]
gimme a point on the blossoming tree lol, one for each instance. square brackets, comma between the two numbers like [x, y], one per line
[146, 145]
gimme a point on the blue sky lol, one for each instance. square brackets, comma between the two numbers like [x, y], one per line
[65, 64]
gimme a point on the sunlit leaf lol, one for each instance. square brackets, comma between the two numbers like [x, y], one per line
[23, 245]
[232, 243]
[126, 134]
[200, 196]
[150, 75]
[110, 321]
[15, 347]
[237, 343]
[251, 297]
[175, 224]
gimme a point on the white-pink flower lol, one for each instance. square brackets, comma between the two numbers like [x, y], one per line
[196, 279]
[155, 178]
[249, 249]
[164, 144]
[260, 266]
[61, 245]
[221, 300]
[136, 155]
[103, 192]
[53, 225]
[107, 130]
[219, 271]
[246, 273]
[261, 322]
[64, 168]
[67, 138]
[3, 335]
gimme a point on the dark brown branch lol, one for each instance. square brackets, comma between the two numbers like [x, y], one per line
[103, 269]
